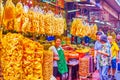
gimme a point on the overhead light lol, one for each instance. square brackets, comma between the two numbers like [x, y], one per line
[96, 21]
[108, 23]
[89, 5]
[79, 16]
[73, 10]
[101, 22]
[77, 0]
[30, 2]
[92, 5]
[118, 2]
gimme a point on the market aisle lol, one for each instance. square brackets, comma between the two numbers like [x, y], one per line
[95, 76]
[117, 76]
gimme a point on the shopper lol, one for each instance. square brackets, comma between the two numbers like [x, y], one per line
[118, 39]
[103, 61]
[114, 54]
[113, 34]
[97, 47]
[60, 65]
[100, 30]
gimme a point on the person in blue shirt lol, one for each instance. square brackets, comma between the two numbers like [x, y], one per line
[96, 48]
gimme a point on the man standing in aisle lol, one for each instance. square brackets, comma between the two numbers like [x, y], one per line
[114, 54]
[97, 47]
[59, 64]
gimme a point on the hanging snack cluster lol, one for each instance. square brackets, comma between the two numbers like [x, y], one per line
[81, 30]
[34, 21]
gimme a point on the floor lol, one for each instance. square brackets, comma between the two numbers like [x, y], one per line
[96, 77]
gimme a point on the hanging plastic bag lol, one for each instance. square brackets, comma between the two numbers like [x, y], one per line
[9, 12]
[1, 11]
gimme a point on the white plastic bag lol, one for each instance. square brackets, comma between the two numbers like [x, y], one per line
[53, 78]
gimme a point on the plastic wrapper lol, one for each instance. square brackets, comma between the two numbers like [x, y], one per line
[35, 23]
[48, 23]
[9, 12]
[18, 17]
[17, 24]
[1, 11]
[41, 24]
[47, 65]
[18, 9]
[83, 67]
[86, 66]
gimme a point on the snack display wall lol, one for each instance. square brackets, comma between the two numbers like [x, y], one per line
[21, 58]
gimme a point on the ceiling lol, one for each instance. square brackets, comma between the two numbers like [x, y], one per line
[114, 5]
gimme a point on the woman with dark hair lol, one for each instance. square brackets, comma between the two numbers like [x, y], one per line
[59, 64]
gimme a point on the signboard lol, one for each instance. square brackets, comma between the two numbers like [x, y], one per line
[104, 16]
[99, 15]
[110, 10]
[94, 16]
[60, 3]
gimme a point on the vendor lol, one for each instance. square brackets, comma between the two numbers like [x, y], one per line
[84, 43]
[60, 68]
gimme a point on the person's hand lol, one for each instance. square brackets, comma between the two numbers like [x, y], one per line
[95, 61]
[110, 58]
[117, 59]
[56, 58]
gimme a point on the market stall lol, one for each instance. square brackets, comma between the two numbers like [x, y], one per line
[28, 28]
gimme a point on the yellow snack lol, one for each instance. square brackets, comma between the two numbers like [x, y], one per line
[21, 58]
[1, 11]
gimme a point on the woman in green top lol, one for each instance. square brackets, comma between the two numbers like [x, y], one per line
[61, 63]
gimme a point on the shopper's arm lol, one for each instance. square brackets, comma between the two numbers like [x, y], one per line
[117, 56]
[56, 58]
[102, 52]
[95, 54]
